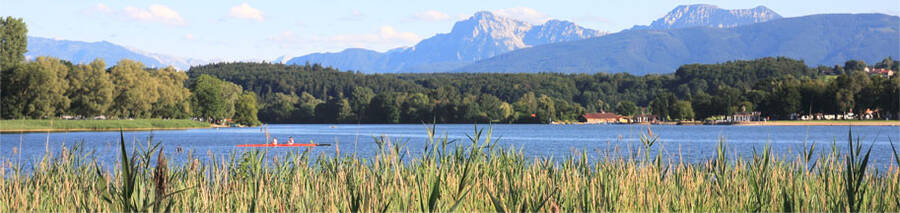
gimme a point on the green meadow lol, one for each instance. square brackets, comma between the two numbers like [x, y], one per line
[61, 125]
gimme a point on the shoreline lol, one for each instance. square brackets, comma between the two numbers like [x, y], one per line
[761, 123]
[8, 131]
[31, 126]
[819, 123]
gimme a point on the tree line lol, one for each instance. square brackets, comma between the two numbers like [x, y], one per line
[777, 87]
[48, 87]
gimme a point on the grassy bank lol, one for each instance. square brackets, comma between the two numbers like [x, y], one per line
[88, 125]
[451, 177]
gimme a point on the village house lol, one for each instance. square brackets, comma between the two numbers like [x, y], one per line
[603, 117]
[879, 71]
[644, 118]
[744, 116]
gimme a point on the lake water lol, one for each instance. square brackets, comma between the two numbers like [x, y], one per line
[690, 143]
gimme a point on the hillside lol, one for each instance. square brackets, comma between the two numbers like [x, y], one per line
[817, 39]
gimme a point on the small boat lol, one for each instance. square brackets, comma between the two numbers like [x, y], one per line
[284, 145]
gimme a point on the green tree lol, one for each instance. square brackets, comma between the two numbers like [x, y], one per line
[37, 89]
[846, 88]
[230, 93]
[328, 112]
[280, 108]
[626, 108]
[384, 109]
[682, 110]
[135, 90]
[546, 109]
[703, 106]
[13, 42]
[887, 63]
[306, 109]
[91, 89]
[784, 101]
[359, 100]
[855, 65]
[345, 111]
[174, 99]
[208, 99]
[525, 107]
[505, 111]
[245, 110]
[469, 111]
[416, 108]
[661, 104]
[494, 108]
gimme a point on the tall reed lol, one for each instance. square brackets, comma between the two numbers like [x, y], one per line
[451, 175]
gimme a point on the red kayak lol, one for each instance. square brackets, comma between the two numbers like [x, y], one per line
[282, 145]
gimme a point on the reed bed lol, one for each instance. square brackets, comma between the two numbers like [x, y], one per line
[448, 176]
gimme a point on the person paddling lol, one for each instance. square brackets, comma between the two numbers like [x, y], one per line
[291, 140]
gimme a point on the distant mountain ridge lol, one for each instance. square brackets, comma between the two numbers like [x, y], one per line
[489, 43]
[85, 52]
[704, 15]
[826, 39]
[481, 36]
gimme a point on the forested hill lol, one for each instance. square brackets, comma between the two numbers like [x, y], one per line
[312, 93]
[817, 39]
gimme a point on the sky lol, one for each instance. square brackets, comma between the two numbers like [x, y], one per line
[263, 30]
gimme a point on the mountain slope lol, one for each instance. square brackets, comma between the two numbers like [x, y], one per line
[481, 36]
[704, 15]
[818, 40]
[85, 52]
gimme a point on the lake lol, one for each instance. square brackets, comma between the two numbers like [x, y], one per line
[690, 143]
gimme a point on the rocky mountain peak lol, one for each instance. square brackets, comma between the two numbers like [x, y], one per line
[711, 16]
[481, 36]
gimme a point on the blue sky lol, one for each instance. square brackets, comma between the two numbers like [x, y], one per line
[263, 30]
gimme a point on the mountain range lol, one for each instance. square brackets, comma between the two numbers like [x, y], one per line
[481, 36]
[85, 52]
[704, 15]
[486, 42]
[485, 35]
[827, 39]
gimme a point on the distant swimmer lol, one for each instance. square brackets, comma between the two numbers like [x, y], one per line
[274, 140]
[291, 140]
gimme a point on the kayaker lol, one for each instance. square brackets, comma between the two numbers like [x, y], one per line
[274, 141]
[291, 140]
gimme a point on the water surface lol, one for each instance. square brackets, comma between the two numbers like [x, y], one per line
[689, 143]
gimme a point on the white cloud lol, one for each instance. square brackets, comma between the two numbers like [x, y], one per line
[100, 7]
[389, 33]
[189, 36]
[523, 13]
[97, 9]
[431, 15]
[384, 38]
[244, 11]
[155, 13]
